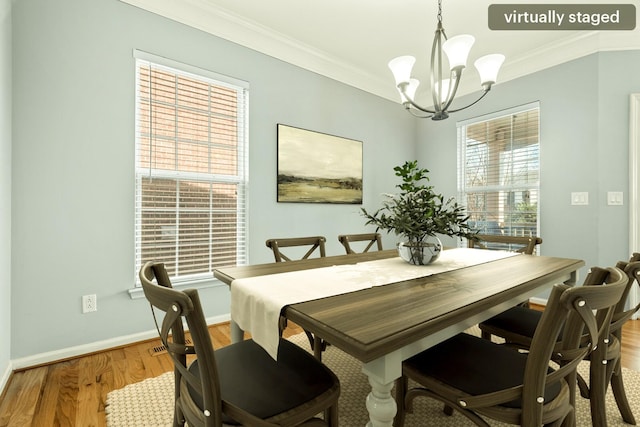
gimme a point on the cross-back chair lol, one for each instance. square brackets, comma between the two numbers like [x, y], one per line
[370, 240]
[314, 243]
[522, 244]
[239, 384]
[477, 377]
[518, 325]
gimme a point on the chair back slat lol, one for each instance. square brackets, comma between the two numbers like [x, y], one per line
[314, 243]
[371, 239]
[522, 244]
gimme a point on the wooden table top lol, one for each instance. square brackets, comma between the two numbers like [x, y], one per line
[374, 322]
[229, 274]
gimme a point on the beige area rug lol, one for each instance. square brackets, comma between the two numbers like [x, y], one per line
[150, 402]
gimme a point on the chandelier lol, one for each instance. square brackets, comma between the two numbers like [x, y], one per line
[443, 91]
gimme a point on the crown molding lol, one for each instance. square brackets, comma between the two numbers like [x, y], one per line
[214, 20]
[564, 50]
[208, 17]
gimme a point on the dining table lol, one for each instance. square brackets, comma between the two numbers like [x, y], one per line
[381, 310]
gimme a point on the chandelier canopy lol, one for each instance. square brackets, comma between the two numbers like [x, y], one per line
[443, 91]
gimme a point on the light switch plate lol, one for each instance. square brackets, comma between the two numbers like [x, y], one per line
[580, 198]
[615, 198]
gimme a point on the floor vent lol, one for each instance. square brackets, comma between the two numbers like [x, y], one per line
[160, 349]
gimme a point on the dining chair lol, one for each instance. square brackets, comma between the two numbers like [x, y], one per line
[522, 244]
[239, 384]
[517, 326]
[478, 377]
[314, 243]
[369, 239]
[311, 244]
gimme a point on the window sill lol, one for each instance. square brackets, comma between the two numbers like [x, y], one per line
[137, 292]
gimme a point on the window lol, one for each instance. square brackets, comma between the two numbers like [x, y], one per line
[499, 171]
[191, 168]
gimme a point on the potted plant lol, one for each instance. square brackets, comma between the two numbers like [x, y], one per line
[419, 214]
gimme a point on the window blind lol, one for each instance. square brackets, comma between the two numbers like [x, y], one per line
[191, 170]
[499, 171]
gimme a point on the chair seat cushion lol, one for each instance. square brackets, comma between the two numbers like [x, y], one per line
[519, 320]
[253, 381]
[476, 366]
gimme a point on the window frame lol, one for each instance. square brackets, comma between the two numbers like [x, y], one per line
[241, 180]
[462, 143]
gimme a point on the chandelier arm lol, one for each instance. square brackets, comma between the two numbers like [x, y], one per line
[436, 68]
[473, 103]
[417, 106]
[453, 89]
[415, 114]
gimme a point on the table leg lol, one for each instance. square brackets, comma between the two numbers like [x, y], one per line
[237, 334]
[380, 404]
[573, 279]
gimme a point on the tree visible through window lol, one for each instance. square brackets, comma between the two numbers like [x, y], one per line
[191, 169]
[499, 172]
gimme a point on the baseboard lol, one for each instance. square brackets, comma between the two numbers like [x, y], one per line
[4, 380]
[66, 353]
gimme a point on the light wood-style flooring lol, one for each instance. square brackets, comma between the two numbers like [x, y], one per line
[73, 392]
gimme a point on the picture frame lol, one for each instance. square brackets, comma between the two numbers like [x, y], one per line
[315, 167]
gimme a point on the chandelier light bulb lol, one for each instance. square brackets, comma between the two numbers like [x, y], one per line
[488, 67]
[409, 91]
[445, 90]
[457, 49]
[401, 68]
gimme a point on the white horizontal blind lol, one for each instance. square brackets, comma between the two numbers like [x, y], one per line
[191, 171]
[499, 172]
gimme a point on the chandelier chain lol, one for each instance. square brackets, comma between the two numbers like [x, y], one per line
[439, 10]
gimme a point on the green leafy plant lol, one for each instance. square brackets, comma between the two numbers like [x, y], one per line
[418, 211]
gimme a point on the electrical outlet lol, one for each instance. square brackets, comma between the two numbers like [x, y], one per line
[89, 303]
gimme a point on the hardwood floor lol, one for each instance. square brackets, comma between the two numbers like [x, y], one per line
[631, 345]
[73, 392]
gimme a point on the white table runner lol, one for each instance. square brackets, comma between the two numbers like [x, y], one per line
[256, 302]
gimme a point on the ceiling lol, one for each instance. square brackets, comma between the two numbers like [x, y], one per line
[352, 40]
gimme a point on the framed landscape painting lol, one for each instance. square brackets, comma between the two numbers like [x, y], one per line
[315, 167]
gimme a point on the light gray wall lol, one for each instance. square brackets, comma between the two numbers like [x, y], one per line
[72, 148]
[5, 188]
[73, 154]
[584, 133]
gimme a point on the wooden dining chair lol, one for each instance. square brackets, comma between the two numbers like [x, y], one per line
[368, 239]
[479, 378]
[239, 383]
[522, 244]
[518, 325]
[312, 243]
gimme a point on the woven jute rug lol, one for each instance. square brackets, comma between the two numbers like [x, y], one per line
[150, 402]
